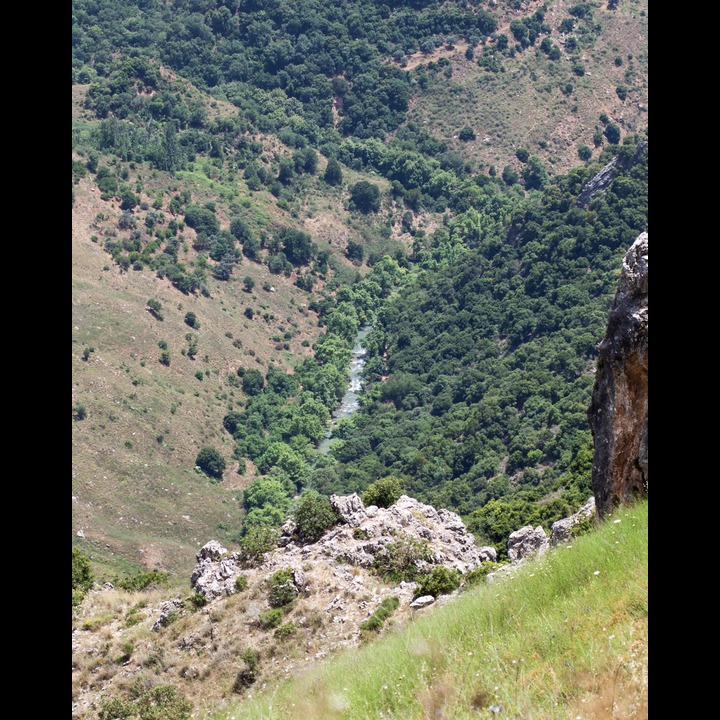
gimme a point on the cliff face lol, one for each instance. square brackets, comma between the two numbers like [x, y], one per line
[618, 412]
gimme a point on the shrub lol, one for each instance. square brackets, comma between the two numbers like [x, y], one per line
[365, 196]
[253, 381]
[286, 630]
[383, 492]
[142, 581]
[248, 674]
[241, 583]
[258, 540]
[467, 133]
[197, 600]
[211, 462]
[612, 133]
[584, 152]
[479, 574]
[79, 411]
[333, 172]
[155, 308]
[282, 589]
[313, 516]
[82, 575]
[161, 702]
[441, 581]
[386, 608]
[402, 559]
[191, 320]
[270, 618]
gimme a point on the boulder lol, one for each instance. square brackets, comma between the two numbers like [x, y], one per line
[527, 541]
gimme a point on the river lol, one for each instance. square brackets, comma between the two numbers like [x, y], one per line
[351, 400]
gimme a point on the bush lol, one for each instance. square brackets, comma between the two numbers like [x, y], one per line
[467, 133]
[441, 581]
[402, 559]
[258, 540]
[143, 580]
[197, 600]
[612, 133]
[282, 588]
[82, 575]
[286, 630]
[270, 618]
[79, 411]
[155, 308]
[161, 702]
[386, 608]
[333, 172]
[383, 492]
[313, 516]
[191, 320]
[211, 462]
[479, 574]
[253, 381]
[241, 583]
[365, 196]
[584, 152]
[248, 674]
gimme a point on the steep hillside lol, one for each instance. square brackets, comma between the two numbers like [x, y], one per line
[332, 640]
[530, 98]
[203, 138]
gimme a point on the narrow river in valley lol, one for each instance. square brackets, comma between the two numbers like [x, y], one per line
[351, 399]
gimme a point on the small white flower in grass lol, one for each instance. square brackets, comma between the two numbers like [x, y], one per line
[617, 521]
[611, 637]
[597, 572]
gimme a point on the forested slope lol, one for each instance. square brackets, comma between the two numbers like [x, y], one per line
[480, 371]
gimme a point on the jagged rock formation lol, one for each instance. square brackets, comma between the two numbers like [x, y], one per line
[561, 529]
[527, 541]
[618, 412]
[602, 179]
[361, 534]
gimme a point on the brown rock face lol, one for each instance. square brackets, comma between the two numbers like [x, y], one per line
[618, 412]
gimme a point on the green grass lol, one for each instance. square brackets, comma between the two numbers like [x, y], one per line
[561, 637]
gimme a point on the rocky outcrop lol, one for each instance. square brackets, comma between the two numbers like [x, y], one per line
[618, 412]
[361, 534]
[562, 529]
[602, 179]
[527, 541]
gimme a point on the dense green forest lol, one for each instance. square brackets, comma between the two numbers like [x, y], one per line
[485, 325]
[479, 372]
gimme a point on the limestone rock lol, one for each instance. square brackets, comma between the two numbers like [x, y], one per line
[560, 531]
[422, 602]
[618, 412]
[211, 551]
[170, 608]
[602, 179]
[527, 541]
[355, 540]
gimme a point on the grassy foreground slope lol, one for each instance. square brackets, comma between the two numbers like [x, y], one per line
[564, 636]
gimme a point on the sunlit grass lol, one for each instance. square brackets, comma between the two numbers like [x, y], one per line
[562, 637]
